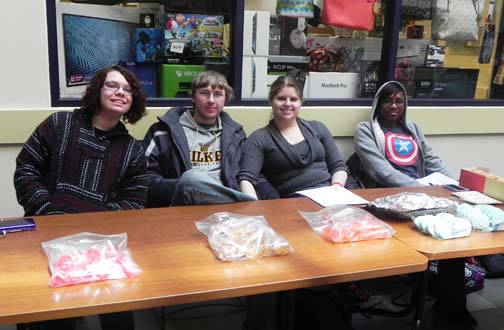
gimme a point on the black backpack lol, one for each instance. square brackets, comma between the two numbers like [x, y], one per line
[493, 264]
[358, 175]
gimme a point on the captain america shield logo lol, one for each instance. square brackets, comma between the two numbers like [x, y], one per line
[401, 149]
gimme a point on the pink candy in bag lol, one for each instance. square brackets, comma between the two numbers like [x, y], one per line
[88, 257]
[341, 223]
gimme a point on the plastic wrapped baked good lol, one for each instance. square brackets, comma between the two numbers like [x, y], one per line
[442, 225]
[482, 217]
[238, 237]
[401, 204]
[341, 223]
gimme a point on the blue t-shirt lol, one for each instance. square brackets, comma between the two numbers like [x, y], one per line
[401, 150]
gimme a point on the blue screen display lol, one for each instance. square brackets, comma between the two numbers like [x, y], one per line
[92, 44]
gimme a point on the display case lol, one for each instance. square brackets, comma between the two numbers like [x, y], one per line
[251, 44]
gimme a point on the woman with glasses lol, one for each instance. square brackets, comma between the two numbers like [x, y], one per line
[86, 161]
[394, 153]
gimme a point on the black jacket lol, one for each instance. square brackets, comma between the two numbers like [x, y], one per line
[167, 153]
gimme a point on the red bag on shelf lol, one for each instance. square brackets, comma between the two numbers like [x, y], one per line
[353, 14]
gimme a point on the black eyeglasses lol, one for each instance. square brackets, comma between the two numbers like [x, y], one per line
[398, 102]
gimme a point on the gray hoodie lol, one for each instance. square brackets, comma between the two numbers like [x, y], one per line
[369, 143]
[204, 144]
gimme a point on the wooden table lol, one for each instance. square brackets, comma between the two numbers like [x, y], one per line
[477, 244]
[178, 265]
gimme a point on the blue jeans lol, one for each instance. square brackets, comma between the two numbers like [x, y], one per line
[196, 187]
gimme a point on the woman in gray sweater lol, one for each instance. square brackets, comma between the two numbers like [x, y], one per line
[292, 153]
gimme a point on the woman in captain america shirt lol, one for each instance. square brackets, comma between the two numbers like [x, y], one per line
[394, 153]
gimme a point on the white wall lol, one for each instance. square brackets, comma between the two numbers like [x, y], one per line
[24, 82]
[24, 56]
[9, 206]
[25, 85]
[456, 151]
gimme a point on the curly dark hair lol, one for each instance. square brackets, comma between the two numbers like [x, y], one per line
[91, 101]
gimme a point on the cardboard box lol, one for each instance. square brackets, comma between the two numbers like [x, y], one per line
[257, 80]
[486, 183]
[293, 36]
[176, 79]
[146, 74]
[274, 35]
[193, 35]
[255, 32]
[246, 88]
[331, 85]
[283, 64]
[254, 77]
[149, 45]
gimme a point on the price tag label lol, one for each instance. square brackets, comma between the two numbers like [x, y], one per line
[177, 47]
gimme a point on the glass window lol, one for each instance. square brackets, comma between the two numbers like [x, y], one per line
[165, 43]
[450, 50]
[338, 60]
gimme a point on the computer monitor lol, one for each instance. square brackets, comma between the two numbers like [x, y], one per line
[92, 44]
[89, 38]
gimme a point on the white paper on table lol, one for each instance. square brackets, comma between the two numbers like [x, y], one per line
[475, 197]
[332, 195]
[437, 179]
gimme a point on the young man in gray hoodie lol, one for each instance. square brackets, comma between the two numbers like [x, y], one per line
[193, 153]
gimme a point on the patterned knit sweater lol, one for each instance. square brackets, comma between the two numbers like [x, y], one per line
[65, 167]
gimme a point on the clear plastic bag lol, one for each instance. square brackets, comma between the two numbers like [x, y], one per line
[341, 223]
[88, 257]
[441, 224]
[482, 217]
[235, 237]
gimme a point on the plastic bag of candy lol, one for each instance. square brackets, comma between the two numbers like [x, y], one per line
[235, 237]
[88, 257]
[341, 223]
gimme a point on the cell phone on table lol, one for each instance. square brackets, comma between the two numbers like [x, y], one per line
[454, 187]
[13, 225]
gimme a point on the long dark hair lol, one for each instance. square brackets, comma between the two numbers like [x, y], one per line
[91, 101]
